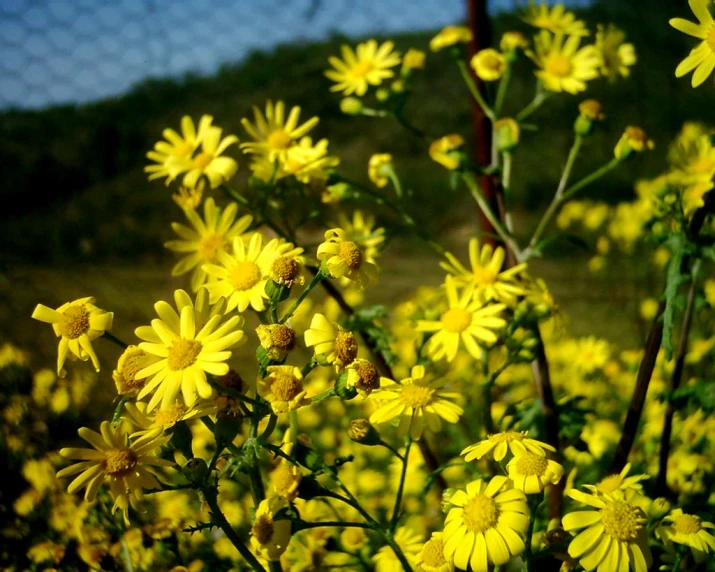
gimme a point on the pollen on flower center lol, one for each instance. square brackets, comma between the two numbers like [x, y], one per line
[456, 320]
[75, 322]
[531, 464]
[416, 395]
[346, 347]
[283, 337]
[687, 524]
[559, 65]
[484, 276]
[183, 354]
[620, 520]
[263, 528]
[351, 254]
[118, 462]
[209, 244]
[361, 69]
[480, 513]
[285, 269]
[286, 387]
[170, 416]
[369, 376]
[433, 553]
[202, 160]
[245, 275]
[279, 139]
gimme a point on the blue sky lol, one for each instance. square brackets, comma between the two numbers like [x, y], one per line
[63, 51]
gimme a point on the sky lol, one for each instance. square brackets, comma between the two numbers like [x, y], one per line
[77, 51]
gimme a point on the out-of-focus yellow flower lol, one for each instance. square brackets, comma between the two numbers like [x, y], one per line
[688, 530]
[649, 308]
[10, 355]
[447, 151]
[513, 41]
[409, 541]
[369, 64]
[431, 558]
[617, 56]
[186, 198]
[77, 324]
[556, 20]
[562, 65]
[46, 552]
[269, 537]
[176, 147]
[413, 60]
[344, 258]
[633, 140]
[450, 36]
[489, 64]
[507, 132]
[701, 58]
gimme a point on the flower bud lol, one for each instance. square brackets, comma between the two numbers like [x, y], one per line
[382, 94]
[448, 151]
[341, 388]
[361, 431]
[507, 133]
[659, 508]
[633, 140]
[351, 106]
[590, 110]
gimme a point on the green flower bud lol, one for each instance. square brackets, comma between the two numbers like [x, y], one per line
[195, 470]
[341, 387]
[361, 431]
[351, 106]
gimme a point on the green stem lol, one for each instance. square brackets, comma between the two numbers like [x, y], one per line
[677, 562]
[471, 84]
[235, 195]
[407, 125]
[304, 525]
[395, 182]
[401, 487]
[312, 284]
[587, 180]
[118, 411]
[533, 502]
[501, 92]
[112, 338]
[539, 98]
[391, 449]
[398, 552]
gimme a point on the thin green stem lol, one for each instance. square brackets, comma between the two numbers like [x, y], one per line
[533, 502]
[312, 284]
[587, 180]
[118, 411]
[391, 449]
[471, 84]
[539, 98]
[112, 338]
[401, 488]
[398, 552]
[395, 182]
[501, 91]
[411, 128]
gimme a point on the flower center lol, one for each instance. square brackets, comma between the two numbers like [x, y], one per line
[350, 253]
[245, 275]
[491, 62]
[209, 244]
[283, 337]
[263, 528]
[279, 139]
[369, 377]
[620, 520]
[484, 275]
[119, 462]
[346, 347]
[203, 160]
[285, 269]
[686, 524]
[433, 553]
[75, 323]
[132, 365]
[710, 37]
[285, 387]
[456, 320]
[609, 484]
[362, 69]
[416, 395]
[170, 416]
[558, 65]
[480, 513]
[183, 149]
[531, 464]
[183, 354]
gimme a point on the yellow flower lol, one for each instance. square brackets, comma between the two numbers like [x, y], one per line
[309, 163]
[450, 36]
[633, 140]
[431, 558]
[40, 473]
[269, 537]
[489, 64]
[614, 538]
[485, 525]
[417, 401]
[616, 55]
[288, 264]
[241, 278]
[532, 472]
[592, 110]
[368, 65]
[413, 60]
[377, 168]
[447, 151]
[164, 418]
[276, 339]
[209, 236]
[556, 20]
[175, 147]
[77, 324]
[688, 530]
[334, 343]
[466, 319]
[343, 257]
[486, 275]
[128, 465]
[515, 441]
[208, 163]
[563, 66]
[409, 541]
[283, 388]
[363, 377]
[190, 346]
[512, 41]
[189, 198]
[10, 355]
[285, 479]
[274, 135]
[46, 552]
[702, 58]
[620, 481]
[131, 362]
[361, 229]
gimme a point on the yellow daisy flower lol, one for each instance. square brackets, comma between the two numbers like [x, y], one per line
[702, 58]
[409, 541]
[131, 362]
[189, 349]
[175, 147]
[447, 151]
[77, 324]
[466, 320]
[344, 258]
[620, 481]
[283, 388]
[513, 41]
[363, 377]
[164, 419]
[431, 558]
[334, 343]
[688, 530]
[363, 231]
[486, 275]
[515, 441]
[269, 537]
[556, 19]
[614, 538]
[368, 65]
[417, 401]
[276, 339]
[532, 472]
[617, 56]
[285, 479]
[450, 36]
[128, 465]
[563, 66]
[212, 234]
[274, 135]
[486, 525]
[376, 168]
[241, 278]
[309, 163]
[489, 64]
[288, 264]
[208, 163]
